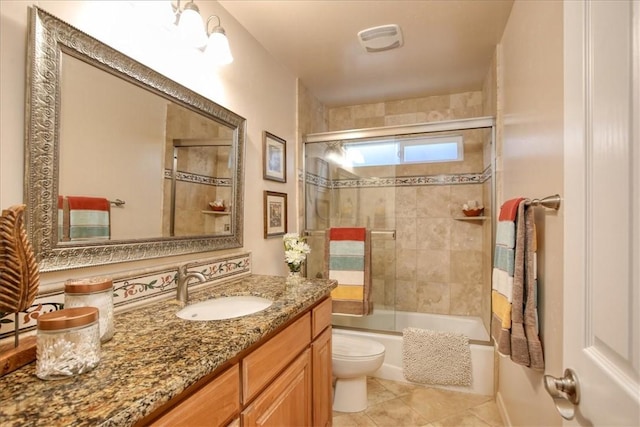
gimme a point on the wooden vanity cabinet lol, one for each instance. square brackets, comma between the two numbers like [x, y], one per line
[215, 404]
[285, 381]
[322, 375]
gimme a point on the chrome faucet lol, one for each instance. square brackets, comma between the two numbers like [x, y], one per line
[183, 279]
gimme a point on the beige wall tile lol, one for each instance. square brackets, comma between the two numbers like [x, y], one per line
[466, 298]
[405, 202]
[467, 236]
[433, 266]
[406, 299]
[434, 201]
[406, 264]
[406, 233]
[433, 233]
[433, 297]
[466, 267]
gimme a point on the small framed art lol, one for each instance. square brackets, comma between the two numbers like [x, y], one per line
[275, 214]
[274, 157]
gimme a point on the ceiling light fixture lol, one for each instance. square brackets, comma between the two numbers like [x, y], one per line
[194, 31]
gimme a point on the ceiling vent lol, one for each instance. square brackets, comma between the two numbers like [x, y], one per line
[379, 39]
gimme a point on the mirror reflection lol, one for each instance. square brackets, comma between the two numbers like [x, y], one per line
[114, 133]
[122, 163]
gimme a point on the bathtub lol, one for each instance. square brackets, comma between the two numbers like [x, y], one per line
[482, 356]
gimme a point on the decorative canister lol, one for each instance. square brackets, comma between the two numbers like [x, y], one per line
[94, 292]
[67, 343]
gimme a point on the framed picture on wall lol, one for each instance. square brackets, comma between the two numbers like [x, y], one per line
[275, 214]
[274, 157]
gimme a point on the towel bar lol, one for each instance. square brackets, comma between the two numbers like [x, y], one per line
[117, 202]
[550, 202]
[392, 233]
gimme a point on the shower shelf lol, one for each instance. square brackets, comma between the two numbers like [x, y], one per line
[470, 218]
[216, 212]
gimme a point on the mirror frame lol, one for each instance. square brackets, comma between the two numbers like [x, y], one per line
[48, 38]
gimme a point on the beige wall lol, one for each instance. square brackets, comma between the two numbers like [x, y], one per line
[531, 112]
[250, 87]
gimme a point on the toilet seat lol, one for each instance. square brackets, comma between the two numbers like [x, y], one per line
[345, 347]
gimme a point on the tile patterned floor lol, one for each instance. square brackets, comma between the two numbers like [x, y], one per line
[397, 404]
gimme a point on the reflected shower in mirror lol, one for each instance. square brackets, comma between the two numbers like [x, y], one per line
[103, 127]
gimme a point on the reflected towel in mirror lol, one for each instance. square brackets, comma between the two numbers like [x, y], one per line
[89, 217]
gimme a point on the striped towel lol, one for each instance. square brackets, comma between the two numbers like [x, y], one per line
[89, 218]
[502, 275]
[514, 286]
[347, 261]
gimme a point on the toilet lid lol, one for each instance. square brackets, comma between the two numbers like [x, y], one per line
[347, 346]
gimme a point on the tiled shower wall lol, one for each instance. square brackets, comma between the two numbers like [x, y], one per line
[203, 175]
[443, 264]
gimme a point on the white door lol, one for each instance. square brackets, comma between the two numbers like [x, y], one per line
[602, 209]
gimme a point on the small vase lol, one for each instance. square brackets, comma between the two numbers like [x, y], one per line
[294, 268]
[294, 274]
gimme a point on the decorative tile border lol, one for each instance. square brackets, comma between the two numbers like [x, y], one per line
[401, 181]
[135, 288]
[198, 179]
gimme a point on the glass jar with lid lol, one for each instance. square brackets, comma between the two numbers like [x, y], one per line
[93, 292]
[67, 343]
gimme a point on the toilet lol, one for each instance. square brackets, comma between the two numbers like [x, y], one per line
[353, 358]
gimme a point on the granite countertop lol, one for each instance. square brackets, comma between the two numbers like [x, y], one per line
[153, 356]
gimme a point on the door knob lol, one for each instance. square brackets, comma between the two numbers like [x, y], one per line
[565, 392]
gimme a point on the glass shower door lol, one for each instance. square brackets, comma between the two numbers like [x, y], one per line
[337, 194]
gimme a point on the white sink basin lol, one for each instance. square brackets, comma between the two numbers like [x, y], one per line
[224, 308]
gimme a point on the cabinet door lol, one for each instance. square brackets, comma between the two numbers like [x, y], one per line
[213, 405]
[322, 378]
[287, 401]
[264, 364]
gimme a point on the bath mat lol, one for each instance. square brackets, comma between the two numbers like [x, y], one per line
[430, 357]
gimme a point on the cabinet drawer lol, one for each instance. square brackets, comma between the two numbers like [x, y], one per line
[261, 366]
[212, 405]
[321, 317]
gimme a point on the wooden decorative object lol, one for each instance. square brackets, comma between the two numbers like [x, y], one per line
[19, 281]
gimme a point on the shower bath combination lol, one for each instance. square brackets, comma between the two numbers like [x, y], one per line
[407, 185]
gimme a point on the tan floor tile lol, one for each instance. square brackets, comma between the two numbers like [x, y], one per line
[377, 393]
[465, 419]
[394, 413]
[488, 412]
[398, 388]
[399, 404]
[358, 419]
[435, 404]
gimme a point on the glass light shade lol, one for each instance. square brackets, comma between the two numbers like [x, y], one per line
[191, 28]
[218, 50]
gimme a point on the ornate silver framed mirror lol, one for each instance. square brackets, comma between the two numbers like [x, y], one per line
[122, 163]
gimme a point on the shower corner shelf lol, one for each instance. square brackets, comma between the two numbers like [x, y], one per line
[216, 212]
[470, 218]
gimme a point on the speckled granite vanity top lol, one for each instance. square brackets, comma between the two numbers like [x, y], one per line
[153, 357]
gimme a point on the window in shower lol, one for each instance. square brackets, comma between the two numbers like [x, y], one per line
[397, 151]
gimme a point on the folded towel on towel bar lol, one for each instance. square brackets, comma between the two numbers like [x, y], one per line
[347, 260]
[89, 218]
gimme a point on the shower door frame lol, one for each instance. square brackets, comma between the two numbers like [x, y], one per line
[486, 122]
